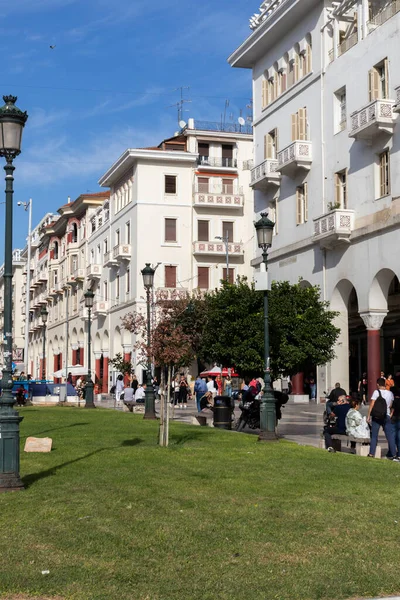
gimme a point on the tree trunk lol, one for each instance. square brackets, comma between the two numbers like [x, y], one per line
[167, 405]
[161, 433]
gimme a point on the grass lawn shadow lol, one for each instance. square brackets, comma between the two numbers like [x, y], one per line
[133, 442]
[180, 439]
[54, 429]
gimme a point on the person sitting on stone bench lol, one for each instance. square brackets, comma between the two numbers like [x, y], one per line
[129, 400]
[207, 404]
[340, 411]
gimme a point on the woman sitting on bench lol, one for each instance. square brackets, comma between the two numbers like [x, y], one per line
[340, 412]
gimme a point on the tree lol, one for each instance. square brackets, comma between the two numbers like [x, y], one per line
[301, 329]
[121, 365]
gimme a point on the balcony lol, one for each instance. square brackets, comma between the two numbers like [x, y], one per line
[222, 196]
[109, 259]
[218, 162]
[122, 252]
[171, 293]
[93, 271]
[391, 9]
[100, 308]
[217, 249]
[373, 119]
[265, 174]
[43, 277]
[298, 155]
[396, 107]
[334, 228]
[79, 274]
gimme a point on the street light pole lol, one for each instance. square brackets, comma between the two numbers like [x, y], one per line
[148, 282]
[12, 122]
[44, 314]
[225, 240]
[264, 228]
[89, 400]
[27, 207]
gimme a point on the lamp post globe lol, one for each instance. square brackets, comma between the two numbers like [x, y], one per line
[44, 314]
[265, 229]
[12, 122]
[148, 282]
[89, 392]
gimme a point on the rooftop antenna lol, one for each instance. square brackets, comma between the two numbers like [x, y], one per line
[226, 106]
[179, 105]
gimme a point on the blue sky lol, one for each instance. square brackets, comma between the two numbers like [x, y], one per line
[107, 84]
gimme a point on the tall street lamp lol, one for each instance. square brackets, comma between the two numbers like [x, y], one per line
[264, 228]
[27, 207]
[44, 314]
[148, 282]
[12, 122]
[89, 403]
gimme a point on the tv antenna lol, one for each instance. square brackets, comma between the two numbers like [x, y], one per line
[179, 105]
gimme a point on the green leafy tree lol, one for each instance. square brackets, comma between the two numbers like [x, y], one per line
[301, 328]
[121, 365]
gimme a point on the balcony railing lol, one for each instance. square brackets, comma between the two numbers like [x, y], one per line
[79, 274]
[171, 293]
[298, 155]
[217, 249]
[100, 308]
[334, 228]
[375, 117]
[93, 271]
[122, 252]
[265, 173]
[348, 43]
[211, 161]
[384, 15]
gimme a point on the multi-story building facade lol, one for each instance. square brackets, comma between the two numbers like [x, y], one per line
[18, 310]
[169, 206]
[326, 84]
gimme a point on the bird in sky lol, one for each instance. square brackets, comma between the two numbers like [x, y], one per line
[52, 47]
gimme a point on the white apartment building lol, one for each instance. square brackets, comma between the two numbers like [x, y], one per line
[326, 87]
[18, 310]
[169, 205]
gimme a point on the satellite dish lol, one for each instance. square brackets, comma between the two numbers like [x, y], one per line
[241, 121]
[176, 133]
[182, 124]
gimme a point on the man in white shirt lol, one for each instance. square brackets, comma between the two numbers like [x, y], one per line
[380, 418]
[211, 386]
[140, 394]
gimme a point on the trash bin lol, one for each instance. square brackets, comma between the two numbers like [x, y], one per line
[223, 412]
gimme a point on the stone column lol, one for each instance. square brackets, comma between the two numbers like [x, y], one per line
[365, 17]
[55, 366]
[360, 22]
[298, 396]
[339, 367]
[105, 372]
[335, 38]
[127, 358]
[97, 368]
[373, 322]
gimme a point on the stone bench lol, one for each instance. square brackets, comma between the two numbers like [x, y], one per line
[362, 445]
[203, 420]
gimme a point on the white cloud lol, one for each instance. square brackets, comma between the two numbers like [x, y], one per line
[40, 118]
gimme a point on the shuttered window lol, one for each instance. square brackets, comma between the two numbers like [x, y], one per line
[282, 81]
[227, 186]
[341, 189]
[264, 93]
[203, 278]
[170, 230]
[231, 275]
[170, 276]
[384, 173]
[204, 149]
[299, 125]
[271, 144]
[128, 281]
[227, 229]
[301, 204]
[170, 184]
[296, 68]
[203, 185]
[290, 80]
[202, 231]
[271, 90]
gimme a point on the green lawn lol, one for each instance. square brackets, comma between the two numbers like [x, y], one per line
[216, 516]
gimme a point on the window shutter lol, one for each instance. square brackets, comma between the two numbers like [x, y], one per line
[231, 275]
[338, 194]
[202, 231]
[170, 276]
[202, 278]
[294, 127]
[276, 142]
[373, 79]
[386, 75]
[276, 85]
[283, 81]
[203, 185]
[266, 146]
[269, 147]
[227, 228]
[227, 186]
[298, 206]
[308, 58]
[302, 123]
[170, 184]
[305, 203]
[170, 230]
[264, 93]
[296, 68]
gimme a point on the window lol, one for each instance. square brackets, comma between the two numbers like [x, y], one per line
[305, 61]
[203, 231]
[231, 275]
[204, 149]
[340, 110]
[273, 214]
[227, 185]
[55, 251]
[296, 68]
[117, 287]
[170, 184]
[227, 155]
[203, 185]
[299, 125]
[203, 278]
[170, 276]
[128, 281]
[74, 233]
[92, 256]
[290, 80]
[271, 90]
[105, 246]
[378, 81]
[105, 288]
[271, 144]
[264, 93]
[341, 189]
[93, 225]
[170, 230]
[227, 230]
[98, 257]
[384, 174]
[128, 232]
[117, 238]
[55, 277]
[301, 204]
[74, 263]
[282, 81]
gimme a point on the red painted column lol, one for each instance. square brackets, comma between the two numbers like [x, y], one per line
[298, 384]
[40, 367]
[55, 366]
[31, 371]
[81, 357]
[374, 359]
[97, 370]
[105, 374]
[74, 362]
[127, 358]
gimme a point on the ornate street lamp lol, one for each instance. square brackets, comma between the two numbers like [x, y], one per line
[148, 282]
[44, 314]
[89, 403]
[264, 228]
[12, 122]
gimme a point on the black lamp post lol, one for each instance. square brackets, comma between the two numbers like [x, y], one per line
[12, 121]
[264, 228]
[148, 282]
[44, 314]
[89, 402]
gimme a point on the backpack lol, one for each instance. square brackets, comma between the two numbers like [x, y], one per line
[379, 410]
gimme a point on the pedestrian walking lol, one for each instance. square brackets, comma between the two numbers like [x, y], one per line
[200, 388]
[228, 386]
[395, 418]
[363, 388]
[379, 416]
[389, 382]
[313, 388]
[119, 388]
[183, 392]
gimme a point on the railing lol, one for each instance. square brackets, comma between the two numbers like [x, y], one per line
[377, 111]
[384, 15]
[234, 248]
[298, 151]
[171, 293]
[348, 43]
[248, 165]
[331, 55]
[397, 90]
[204, 188]
[226, 127]
[268, 167]
[218, 200]
[93, 270]
[100, 308]
[122, 251]
[334, 227]
[210, 161]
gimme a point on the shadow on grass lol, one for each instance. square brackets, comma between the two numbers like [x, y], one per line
[133, 442]
[53, 429]
[180, 439]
